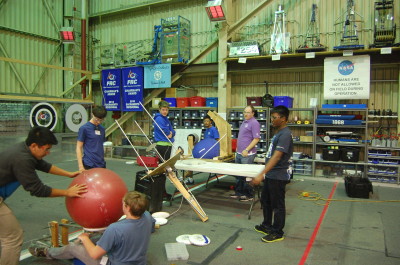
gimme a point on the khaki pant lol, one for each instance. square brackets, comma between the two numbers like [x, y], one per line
[11, 236]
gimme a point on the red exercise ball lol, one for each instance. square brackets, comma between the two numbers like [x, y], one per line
[102, 204]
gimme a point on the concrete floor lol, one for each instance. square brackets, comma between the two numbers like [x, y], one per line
[341, 233]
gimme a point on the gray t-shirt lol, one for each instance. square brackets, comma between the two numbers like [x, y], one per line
[282, 141]
[126, 241]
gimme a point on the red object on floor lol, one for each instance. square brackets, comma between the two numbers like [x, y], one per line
[101, 205]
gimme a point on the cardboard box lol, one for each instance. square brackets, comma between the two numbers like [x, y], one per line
[154, 102]
[306, 138]
[170, 92]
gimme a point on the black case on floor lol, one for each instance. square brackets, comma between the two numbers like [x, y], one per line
[154, 190]
[357, 187]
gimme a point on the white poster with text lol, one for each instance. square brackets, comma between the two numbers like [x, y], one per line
[347, 77]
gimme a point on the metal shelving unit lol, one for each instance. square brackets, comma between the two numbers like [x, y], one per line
[362, 145]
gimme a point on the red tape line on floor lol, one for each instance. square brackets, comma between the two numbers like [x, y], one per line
[317, 226]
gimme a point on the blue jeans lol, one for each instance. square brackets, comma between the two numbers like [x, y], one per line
[243, 188]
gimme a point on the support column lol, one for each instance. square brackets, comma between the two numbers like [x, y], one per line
[224, 87]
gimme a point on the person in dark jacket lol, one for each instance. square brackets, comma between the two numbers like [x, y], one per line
[18, 165]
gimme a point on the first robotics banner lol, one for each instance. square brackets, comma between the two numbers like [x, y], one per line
[132, 89]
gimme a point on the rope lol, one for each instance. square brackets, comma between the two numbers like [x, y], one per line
[316, 198]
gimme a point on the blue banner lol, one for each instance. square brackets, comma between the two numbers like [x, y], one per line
[111, 84]
[132, 88]
[157, 75]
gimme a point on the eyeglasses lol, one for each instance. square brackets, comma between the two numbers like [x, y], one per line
[98, 120]
[275, 117]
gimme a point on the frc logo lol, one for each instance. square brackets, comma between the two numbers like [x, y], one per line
[132, 78]
[111, 80]
[346, 67]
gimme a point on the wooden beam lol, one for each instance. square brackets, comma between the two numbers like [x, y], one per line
[44, 99]
[45, 65]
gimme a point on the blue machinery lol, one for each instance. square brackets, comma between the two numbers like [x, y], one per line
[349, 38]
[171, 42]
[312, 41]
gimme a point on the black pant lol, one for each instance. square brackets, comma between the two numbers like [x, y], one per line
[273, 202]
[157, 196]
[164, 151]
[88, 167]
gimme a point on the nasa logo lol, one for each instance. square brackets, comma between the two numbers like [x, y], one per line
[346, 67]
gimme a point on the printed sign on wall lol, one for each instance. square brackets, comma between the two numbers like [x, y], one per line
[132, 88]
[347, 77]
[157, 76]
[111, 84]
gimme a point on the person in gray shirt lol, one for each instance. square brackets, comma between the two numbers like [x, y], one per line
[125, 242]
[18, 165]
[276, 175]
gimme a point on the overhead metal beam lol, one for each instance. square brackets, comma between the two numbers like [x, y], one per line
[29, 34]
[131, 8]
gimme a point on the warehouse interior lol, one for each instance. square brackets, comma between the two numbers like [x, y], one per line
[334, 64]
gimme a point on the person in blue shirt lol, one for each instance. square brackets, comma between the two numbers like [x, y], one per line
[124, 242]
[91, 137]
[164, 137]
[211, 131]
[18, 165]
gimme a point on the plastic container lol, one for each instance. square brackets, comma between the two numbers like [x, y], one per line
[212, 102]
[171, 101]
[330, 154]
[254, 101]
[182, 102]
[349, 154]
[197, 102]
[283, 101]
[234, 144]
[148, 161]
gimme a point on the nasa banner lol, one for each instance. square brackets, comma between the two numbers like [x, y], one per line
[132, 88]
[157, 76]
[347, 77]
[111, 84]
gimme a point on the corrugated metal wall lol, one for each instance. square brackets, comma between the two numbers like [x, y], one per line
[28, 32]
[331, 14]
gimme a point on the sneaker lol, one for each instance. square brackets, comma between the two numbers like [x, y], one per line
[234, 196]
[189, 181]
[272, 238]
[245, 199]
[38, 251]
[262, 229]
